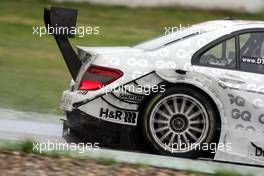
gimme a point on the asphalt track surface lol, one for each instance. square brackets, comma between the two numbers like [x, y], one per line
[18, 125]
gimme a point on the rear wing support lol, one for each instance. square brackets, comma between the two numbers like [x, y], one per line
[60, 22]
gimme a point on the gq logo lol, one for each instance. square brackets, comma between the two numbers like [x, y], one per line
[245, 115]
[261, 119]
[258, 103]
[239, 101]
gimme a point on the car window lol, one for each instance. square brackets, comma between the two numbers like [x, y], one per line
[252, 52]
[221, 55]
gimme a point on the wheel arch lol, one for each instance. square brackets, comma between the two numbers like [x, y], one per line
[215, 102]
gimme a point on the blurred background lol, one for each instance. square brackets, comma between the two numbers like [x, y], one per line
[33, 76]
[33, 73]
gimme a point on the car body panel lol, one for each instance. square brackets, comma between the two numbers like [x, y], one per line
[240, 106]
[238, 95]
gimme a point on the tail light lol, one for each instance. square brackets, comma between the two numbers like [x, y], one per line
[97, 76]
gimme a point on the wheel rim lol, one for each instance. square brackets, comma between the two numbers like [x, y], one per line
[179, 123]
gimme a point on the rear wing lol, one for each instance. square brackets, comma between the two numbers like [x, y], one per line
[61, 22]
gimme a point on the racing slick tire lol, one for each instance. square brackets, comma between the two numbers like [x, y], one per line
[180, 122]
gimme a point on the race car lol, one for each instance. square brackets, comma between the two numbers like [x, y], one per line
[195, 92]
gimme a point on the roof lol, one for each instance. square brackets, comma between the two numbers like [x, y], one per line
[209, 26]
[216, 24]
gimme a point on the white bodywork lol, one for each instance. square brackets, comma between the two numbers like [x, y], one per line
[238, 95]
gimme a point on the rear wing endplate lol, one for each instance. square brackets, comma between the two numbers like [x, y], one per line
[60, 22]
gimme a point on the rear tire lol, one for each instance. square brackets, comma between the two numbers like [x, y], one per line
[179, 121]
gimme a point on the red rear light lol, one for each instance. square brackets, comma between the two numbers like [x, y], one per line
[97, 76]
[90, 85]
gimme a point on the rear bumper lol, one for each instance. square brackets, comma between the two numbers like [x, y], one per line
[70, 98]
[67, 100]
[81, 127]
[108, 107]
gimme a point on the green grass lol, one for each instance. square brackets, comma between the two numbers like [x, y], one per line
[27, 147]
[231, 173]
[33, 73]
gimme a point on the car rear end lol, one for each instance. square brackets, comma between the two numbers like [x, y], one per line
[96, 111]
[99, 107]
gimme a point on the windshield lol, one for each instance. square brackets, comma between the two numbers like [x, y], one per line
[168, 39]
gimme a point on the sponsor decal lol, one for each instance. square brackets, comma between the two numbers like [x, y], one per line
[253, 88]
[118, 115]
[238, 100]
[107, 114]
[130, 97]
[247, 128]
[261, 119]
[258, 103]
[259, 152]
[245, 115]
[253, 60]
